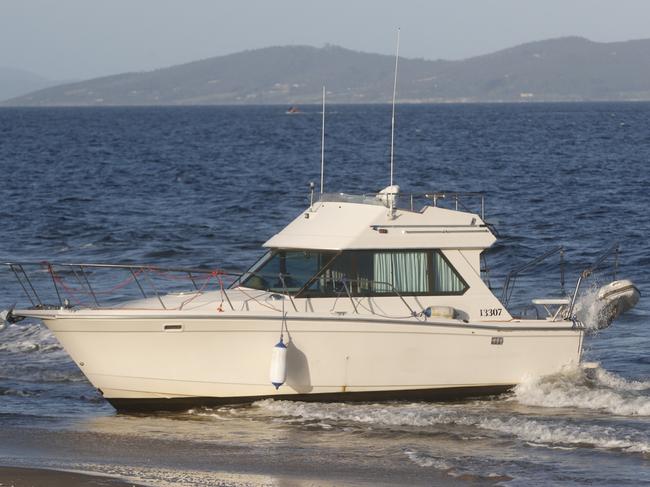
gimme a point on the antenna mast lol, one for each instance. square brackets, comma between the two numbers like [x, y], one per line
[322, 148]
[392, 125]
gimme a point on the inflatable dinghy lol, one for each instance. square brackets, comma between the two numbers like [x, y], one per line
[614, 299]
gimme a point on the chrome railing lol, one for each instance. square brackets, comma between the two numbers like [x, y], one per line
[50, 284]
[612, 251]
[511, 277]
[471, 202]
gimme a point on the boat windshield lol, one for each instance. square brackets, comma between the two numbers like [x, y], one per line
[316, 273]
[295, 267]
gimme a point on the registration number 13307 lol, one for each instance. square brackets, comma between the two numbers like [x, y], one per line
[491, 312]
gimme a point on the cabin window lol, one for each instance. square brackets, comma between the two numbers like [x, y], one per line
[382, 273]
[358, 272]
[445, 278]
[404, 272]
[296, 267]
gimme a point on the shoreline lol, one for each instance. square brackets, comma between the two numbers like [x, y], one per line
[45, 477]
[103, 453]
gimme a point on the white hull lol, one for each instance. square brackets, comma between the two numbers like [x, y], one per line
[226, 358]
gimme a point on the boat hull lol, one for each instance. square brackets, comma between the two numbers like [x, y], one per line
[185, 403]
[176, 362]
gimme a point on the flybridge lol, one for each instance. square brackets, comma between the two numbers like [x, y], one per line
[470, 202]
[342, 221]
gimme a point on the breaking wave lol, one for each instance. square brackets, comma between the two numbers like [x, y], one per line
[593, 389]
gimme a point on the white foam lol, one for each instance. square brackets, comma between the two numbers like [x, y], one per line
[372, 414]
[615, 382]
[28, 338]
[597, 390]
[209, 413]
[552, 432]
[424, 460]
[537, 432]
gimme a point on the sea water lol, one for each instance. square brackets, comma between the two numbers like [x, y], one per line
[206, 186]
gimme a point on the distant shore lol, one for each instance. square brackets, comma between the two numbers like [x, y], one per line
[317, 105]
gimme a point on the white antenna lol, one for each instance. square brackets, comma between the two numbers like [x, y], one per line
[322, 148]
[392, 125]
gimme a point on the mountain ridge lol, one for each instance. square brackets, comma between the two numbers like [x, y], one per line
[560, 69]
[16, 82]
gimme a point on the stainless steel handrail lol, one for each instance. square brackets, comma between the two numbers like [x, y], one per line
[602, 257]
[508, 285]
[125, 266]
[79, 271]
[393, 292]
[457, 198]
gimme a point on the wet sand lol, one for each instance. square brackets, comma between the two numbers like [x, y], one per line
[124, 460]
[36, 477]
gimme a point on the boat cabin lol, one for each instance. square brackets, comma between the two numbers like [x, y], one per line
[362, 246]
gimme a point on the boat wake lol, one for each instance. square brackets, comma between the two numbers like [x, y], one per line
[592, 395]
[471, 420]
[589, 389]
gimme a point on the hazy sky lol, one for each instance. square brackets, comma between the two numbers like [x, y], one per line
[73, 39]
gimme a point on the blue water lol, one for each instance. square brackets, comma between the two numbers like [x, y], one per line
[207, 186]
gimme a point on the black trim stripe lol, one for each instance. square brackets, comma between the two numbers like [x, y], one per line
[185, 403]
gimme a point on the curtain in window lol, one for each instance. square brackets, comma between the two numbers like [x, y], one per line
[445, 280]
[406, 271]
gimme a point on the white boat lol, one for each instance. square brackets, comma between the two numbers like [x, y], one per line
[371, 301]
[358, 298]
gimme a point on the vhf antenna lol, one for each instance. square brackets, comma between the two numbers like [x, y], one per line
[392, 125]
[322, 148]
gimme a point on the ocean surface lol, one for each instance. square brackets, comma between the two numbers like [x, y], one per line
[207, 186]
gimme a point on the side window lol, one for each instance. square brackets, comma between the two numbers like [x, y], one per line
[404, 272]
[377, 273]
[445, 278]
[329, 281]
[365, 273]
[296, 266]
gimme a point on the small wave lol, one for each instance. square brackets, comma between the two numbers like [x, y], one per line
[6, 391]
[595, 389]
[373, 414]
[540, 433]
[445, 465]
[427, 415]
[615, 382]
[28, 338]
[25, 346]
[209, 413]
[426, 460]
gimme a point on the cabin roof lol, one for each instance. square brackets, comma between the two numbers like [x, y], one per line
[343, 225]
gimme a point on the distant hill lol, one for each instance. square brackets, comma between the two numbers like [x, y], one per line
[16, 82]
[564, 69]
